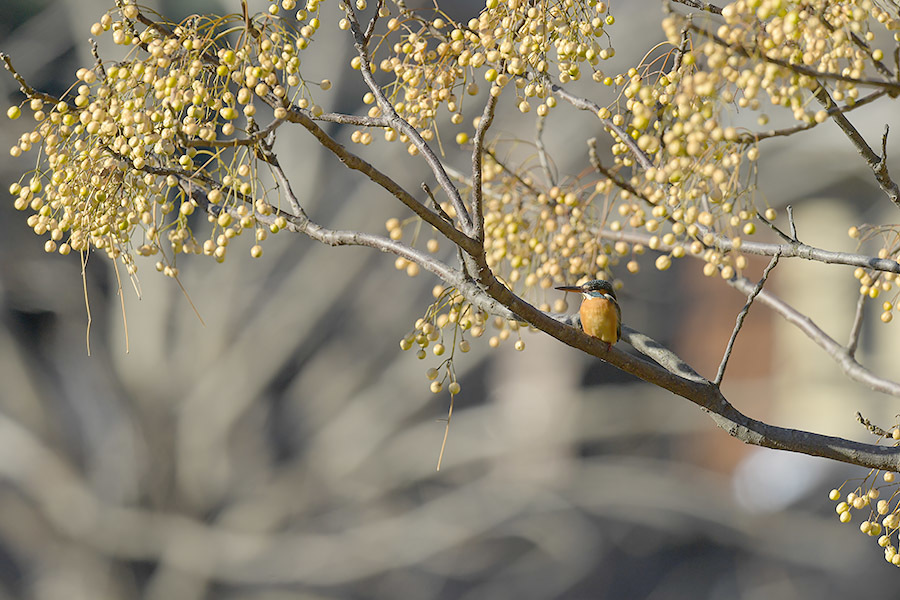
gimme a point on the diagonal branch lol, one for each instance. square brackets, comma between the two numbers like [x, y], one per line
[703, 393]
[789, 249]
[856, 328]
[582, 103]
[403, 126]
[739, 322]
[853, 369]
[487, 117]
[754, 53]
[356, 163]
[878, 164]
[752, 137]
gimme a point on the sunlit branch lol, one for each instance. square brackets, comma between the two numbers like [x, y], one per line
[356, 163]
[841, 355]
[581, 103]
[878, 164]
[403, 126]
[739, 322]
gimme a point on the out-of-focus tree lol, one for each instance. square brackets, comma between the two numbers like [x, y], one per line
[184, 123]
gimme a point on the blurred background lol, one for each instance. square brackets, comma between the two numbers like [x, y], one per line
[285, 447]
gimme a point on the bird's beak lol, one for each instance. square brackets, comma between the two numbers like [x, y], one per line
[570, 288]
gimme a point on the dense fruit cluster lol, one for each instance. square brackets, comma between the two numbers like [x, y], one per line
[877, 495]
[874, 283]
[115, 155]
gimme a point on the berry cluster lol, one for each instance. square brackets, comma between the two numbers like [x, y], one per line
[115, 153]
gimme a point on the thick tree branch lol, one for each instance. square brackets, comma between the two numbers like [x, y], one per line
[704, 394]
[354, 162]
[581, 103]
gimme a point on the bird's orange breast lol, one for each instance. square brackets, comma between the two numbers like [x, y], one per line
[600, 319]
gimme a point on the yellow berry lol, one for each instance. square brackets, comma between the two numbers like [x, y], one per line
[14, 112]
[453, 388]
[462, 137]
[834, 494]
[520, 345]
[436, 387]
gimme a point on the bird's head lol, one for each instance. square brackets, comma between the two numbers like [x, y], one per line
[592, 289]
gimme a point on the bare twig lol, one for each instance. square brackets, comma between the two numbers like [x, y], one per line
[373, 21]
[856, 328]
[874, 429]
[487, 117]
[542, 151]
[787, 238]
[878, 164]
[790, 213]
[581, 103]
[739, 322]
[95, 52]
[704, 6]
[29, 91]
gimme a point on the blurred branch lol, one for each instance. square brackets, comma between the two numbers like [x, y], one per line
[703, 393]
[751, 137]
[704, 6]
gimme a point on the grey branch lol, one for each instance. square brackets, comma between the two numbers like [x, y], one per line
[856, 328]
[749, 138]
[842, 356]
[487, 117]
[639, 155]
[703, 393]
[739, 322]
[878, 164]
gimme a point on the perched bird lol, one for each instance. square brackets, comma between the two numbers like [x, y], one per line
[601, 316]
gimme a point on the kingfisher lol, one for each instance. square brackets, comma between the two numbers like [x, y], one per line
[601, 316]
